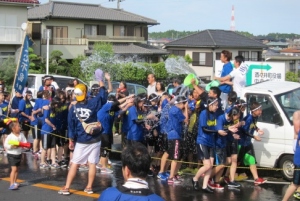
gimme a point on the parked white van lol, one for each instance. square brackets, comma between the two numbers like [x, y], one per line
[279, 100]
[36, 80]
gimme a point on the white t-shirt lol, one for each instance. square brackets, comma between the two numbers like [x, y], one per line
[151, 89]
[53, 83]
[18, 150]
[239, 78]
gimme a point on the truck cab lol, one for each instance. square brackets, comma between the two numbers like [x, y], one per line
[279, 100]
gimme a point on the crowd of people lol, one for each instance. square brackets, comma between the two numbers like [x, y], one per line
[74, 128]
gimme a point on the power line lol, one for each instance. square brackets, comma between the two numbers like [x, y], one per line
[118, 3]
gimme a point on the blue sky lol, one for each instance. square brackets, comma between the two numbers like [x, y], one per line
[254, 16]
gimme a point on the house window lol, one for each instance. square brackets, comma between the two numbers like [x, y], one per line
[36, 31]
[202, 59]
[90, 30]
[178, 52]
[218, 55]
[58, 35]
[102, 30]
[255, 56]
[245, 54]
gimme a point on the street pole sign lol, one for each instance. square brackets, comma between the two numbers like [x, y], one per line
[258, 71]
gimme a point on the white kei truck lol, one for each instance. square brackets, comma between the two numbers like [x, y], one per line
[279, 100]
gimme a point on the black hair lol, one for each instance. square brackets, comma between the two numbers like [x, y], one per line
[176, 80]
[181, 99]
[162, 86]
[56, 101]
[124, 83]
[137, 100]
[63, 94]
[239, 59]
[233, 112]
[112, 98]
[227, 54]
[95, 90]
[142, 95]
[70, 83]
[216, 90]
[241, 103]
[232, 97]
[177, 92]
[154, 97]
[137, 159]
[209, 113]
[39, 94]
[254, 105]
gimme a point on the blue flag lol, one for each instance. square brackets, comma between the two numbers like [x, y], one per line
[23, 67]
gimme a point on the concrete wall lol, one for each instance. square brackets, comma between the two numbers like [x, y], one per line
[69, 51]
[12, 16]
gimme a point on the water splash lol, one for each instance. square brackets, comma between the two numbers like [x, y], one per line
[178, 66]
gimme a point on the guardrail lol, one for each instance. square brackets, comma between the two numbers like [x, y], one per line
[65, 41]
[10, 35]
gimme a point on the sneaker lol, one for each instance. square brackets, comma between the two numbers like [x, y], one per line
[44, 166]
[218, 187]
[83, 168]
[211, 184]
[64, 191]
[207, 190]
[62, 164]
[297, 195]
[98, 166]
[178, 177]
[17, 184]
[173, 181]
[49, 161]
[240, 177]
[233, 184]
[162, 176]
[259, 181]
[88, 190]
[106, 171]
[116, 134]
[54, 166]
[195, 184]
[167, 174]
[227, 180]
[150, 173]
[13, 187]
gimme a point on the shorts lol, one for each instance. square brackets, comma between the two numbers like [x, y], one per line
[48, 141]
[14, 160]
[61, 141]
[174, 150]
[220, 158]
[296, 177]
[150, 139]
[247, 155]
[25, 126]
[84, 153]
[232, 148]
[105, 145]
[205, 152]
[158, 147]
[36, 132]
[134, 142]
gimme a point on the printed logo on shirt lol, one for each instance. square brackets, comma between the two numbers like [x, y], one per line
[252, 126]
[52, 115]
[140, 116]
[63, 108]
[211, 122]
[4, 109]
[28, 105]
[84, 113]
[111, 113]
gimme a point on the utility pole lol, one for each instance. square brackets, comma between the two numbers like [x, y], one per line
[118, 3]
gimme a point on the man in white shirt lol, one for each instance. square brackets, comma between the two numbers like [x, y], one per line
[238, 75]
[152, 84]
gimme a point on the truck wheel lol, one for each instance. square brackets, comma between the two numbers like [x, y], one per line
[287, 165]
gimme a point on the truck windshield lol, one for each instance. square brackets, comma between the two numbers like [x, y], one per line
[290, 102]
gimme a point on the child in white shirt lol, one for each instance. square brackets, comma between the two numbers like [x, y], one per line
[14, 153]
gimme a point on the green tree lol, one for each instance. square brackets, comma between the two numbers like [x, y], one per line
[58, 65]
[35, 63]
[75, 68]
[8, 70]
[290, 76]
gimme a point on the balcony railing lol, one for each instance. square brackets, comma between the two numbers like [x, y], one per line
[11, 35]
[114, 38]
[66, 41]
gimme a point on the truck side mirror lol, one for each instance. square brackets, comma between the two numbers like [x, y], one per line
[277, 120]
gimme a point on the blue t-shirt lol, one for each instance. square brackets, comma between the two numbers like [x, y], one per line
[64, 110]
[297, 151]
[209, 121]
[249, 127]
[88, 113]
[114, 194]
[4, 109]
[227, 68]
[38, 105]
[174, 125]
[15, 106]
[106, 118]
[135, 131]
[26, 107]
[222, 124]
[52, 117]
[164, 117]
[164, 103]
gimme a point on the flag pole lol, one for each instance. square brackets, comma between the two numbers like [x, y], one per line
[23, 28]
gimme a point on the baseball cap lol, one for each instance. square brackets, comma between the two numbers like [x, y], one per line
[80, 92]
